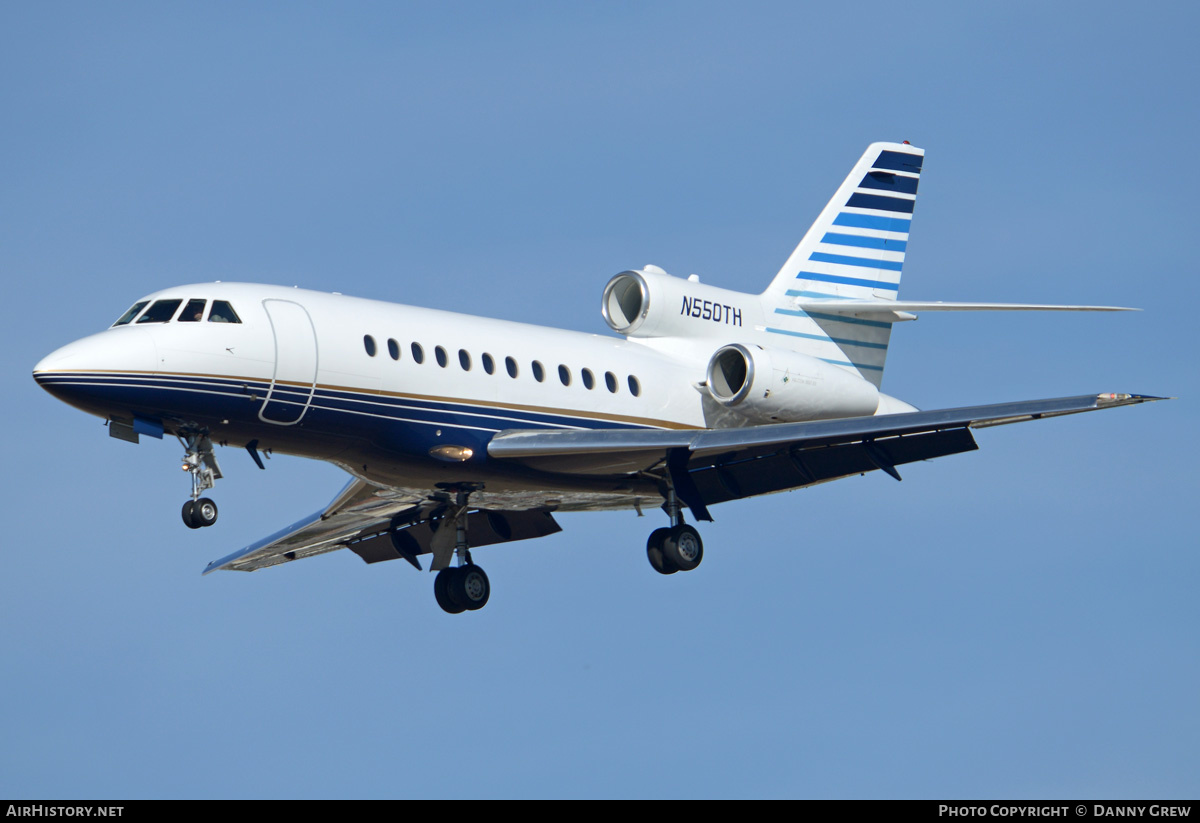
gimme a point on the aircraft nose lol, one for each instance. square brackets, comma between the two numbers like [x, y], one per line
[55, 361]
[77, 368]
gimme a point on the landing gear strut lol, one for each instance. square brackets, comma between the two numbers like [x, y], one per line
[464, 587]
[201, 463]
[677, 549]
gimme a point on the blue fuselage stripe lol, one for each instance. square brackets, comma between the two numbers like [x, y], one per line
[145, 388]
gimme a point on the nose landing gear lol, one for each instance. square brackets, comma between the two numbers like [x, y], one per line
[199, 513]
[201, 463]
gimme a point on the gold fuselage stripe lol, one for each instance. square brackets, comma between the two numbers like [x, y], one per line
[465, 401]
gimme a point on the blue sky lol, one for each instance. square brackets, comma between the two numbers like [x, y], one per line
[1016, 622]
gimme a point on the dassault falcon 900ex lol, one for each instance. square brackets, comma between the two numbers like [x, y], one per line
[460, 432]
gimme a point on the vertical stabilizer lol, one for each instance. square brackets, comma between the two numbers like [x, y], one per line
[854, 251]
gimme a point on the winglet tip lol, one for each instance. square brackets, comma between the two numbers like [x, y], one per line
[1121, 398]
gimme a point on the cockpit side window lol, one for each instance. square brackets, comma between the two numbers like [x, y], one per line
[160, 312]
[193, 312]
[132, 313]
[222, 312]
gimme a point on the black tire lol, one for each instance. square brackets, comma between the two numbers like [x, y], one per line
[204, 512]
[683, 548]
[187, 515]
[470, 587]
[654, 551]
[441, 591]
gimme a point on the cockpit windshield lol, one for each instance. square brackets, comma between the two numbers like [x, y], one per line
[193, 312]
[222, 312]
[132, 313]
[161, 312]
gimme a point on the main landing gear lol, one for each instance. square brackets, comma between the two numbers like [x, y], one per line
[464, 587]
[678, 548]
[201, 463]
[461, 589]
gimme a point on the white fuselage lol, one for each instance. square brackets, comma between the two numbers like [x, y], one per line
[296, 376]
[400, 396]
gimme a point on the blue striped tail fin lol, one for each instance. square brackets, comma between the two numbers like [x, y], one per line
[854, 251]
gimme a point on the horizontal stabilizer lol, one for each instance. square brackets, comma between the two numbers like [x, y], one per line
[899, 308]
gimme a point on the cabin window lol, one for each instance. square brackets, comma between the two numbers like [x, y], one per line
[464, 359]
[418, 353]
[489, 365]
[610, 380]
[222, 312]
[193, 312]
[440, 355]
[564, 374]
[539, 373]
[589, 381]
[511, 365]
[635, 388]
[393, 349]
[160, 312]
[369, 344]
[132, 313]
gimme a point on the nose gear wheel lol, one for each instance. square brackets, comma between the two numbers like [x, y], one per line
[200, 462]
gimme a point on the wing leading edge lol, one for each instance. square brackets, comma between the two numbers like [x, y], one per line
[706, 466]
[377, 525]
[711, 466]
[359, 511]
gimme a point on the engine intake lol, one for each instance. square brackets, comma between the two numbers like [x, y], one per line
[648, 302]
[626, 302]
[778, 386]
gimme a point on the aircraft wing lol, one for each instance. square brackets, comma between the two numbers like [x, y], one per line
[359, 511]
[709, 466]
[362, 518]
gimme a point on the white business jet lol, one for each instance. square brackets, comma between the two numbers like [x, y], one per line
[460, 432]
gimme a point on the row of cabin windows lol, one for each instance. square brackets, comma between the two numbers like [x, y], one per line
[164, 310]
[510, 365]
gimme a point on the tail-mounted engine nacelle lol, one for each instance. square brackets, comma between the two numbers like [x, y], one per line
[649, 302]
[779, 386]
